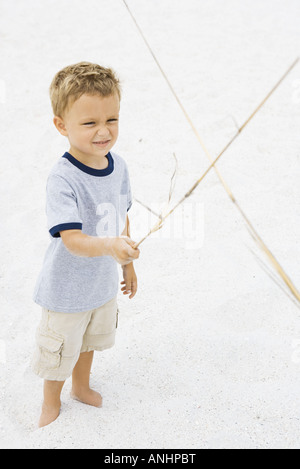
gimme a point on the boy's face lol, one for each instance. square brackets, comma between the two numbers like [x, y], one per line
[91, 124]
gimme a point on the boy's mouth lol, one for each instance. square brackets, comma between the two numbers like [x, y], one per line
[101, 143]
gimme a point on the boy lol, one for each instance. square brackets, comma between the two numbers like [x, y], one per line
[88, 197]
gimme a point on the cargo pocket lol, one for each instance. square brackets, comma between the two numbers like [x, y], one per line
[50, 350]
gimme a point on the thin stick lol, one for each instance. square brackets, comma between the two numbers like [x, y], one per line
[173, 179]
[146, 207]
[274, 261]
[275, 279]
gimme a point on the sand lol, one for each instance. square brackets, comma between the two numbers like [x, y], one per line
[208, 353]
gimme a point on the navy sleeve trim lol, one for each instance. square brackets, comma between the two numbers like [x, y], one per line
[63, 227]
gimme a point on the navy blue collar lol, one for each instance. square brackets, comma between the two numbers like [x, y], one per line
[92, 171]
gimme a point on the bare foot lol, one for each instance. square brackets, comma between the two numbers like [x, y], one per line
[49, 415]
[87, 396]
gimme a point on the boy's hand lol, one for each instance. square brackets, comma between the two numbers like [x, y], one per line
[122, 250]
[130, 281]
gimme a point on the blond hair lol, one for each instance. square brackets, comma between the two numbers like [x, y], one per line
[82, 78]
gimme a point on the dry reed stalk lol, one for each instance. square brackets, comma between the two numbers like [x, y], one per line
[274, 262]
[173, 180]
[249, 225]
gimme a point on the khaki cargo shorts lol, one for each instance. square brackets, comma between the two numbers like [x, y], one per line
[62, 337]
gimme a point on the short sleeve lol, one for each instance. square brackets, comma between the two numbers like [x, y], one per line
[61, 206]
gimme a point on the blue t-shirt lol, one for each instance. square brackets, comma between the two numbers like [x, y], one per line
[96, 202]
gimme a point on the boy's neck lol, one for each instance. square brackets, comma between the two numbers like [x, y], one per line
[92, 161]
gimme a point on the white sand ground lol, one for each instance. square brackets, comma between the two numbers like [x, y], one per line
[208, 354]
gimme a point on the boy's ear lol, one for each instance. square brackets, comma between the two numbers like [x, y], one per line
[60, 125]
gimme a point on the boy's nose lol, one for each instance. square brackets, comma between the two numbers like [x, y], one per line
[102, 131]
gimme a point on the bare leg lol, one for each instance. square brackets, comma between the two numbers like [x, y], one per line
[52, 403]
[81, 390]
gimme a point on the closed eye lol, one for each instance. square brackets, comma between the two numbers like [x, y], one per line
[93, 123]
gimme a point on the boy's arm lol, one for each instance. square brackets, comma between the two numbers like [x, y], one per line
[129, 283]
[80, 244]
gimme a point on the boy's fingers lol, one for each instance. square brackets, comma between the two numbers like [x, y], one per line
[133, 253]
[130, 242]
[133, 292]
[136, 253]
